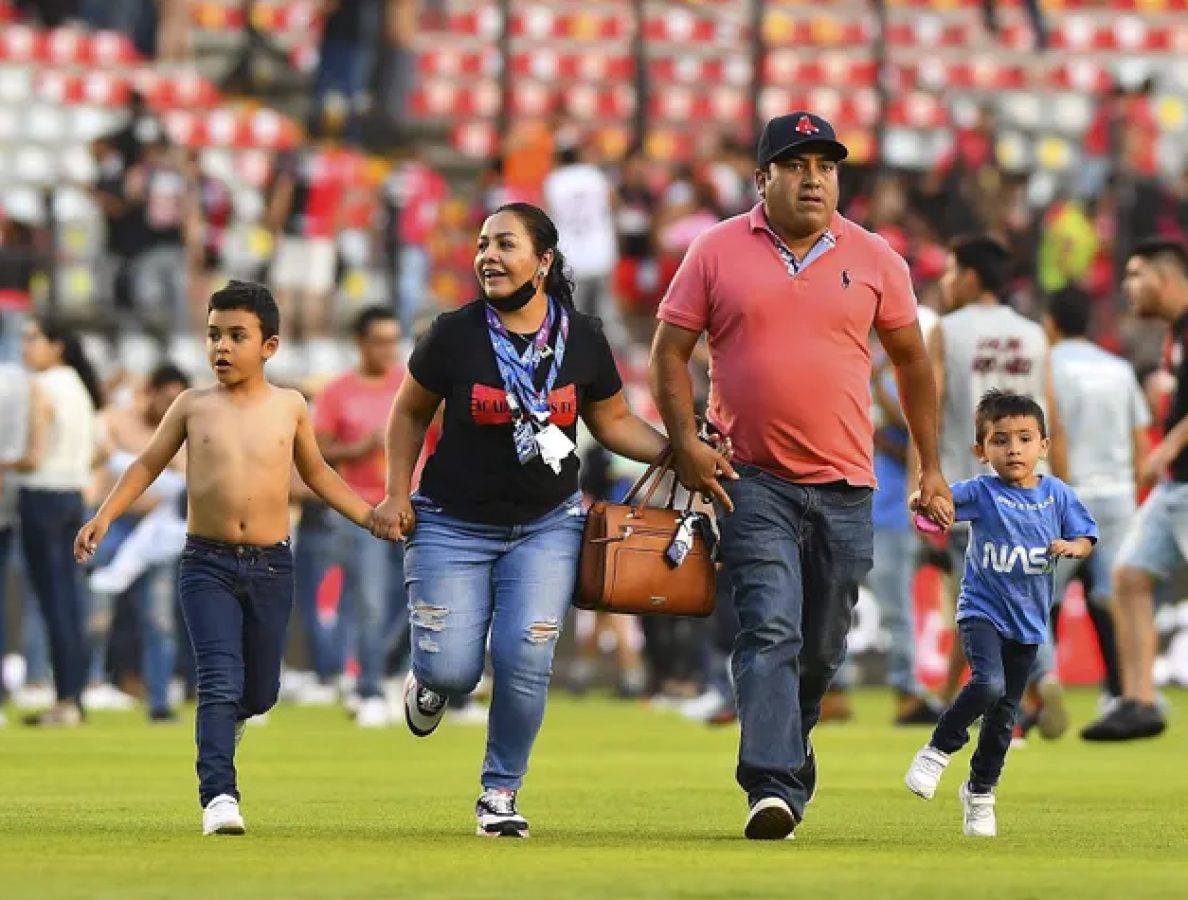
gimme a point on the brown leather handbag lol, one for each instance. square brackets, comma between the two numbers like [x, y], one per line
[624, 568]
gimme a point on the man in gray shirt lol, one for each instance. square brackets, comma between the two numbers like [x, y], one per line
[1105, 418]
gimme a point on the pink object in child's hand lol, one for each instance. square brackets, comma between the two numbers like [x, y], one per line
[926, 525]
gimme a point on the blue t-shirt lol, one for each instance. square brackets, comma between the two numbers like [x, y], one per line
[1009, 576]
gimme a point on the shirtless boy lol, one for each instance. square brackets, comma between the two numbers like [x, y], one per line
[242, 437]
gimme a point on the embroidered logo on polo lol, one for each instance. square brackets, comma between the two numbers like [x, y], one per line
[845, 279]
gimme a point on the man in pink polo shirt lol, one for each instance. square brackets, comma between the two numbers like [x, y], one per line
[349, 420]
[788, 294]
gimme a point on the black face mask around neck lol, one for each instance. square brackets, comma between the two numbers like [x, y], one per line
[517, 299]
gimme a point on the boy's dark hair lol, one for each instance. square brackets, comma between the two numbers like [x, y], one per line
[985, 256]
[1162, 250]
[167, 374]
[252, 297]
[370, 315]
[1070, 311]
[996, 405]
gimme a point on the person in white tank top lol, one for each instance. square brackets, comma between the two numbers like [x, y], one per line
[52, 475]
[981, 343]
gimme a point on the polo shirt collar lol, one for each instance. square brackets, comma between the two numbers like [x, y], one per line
[757, 218]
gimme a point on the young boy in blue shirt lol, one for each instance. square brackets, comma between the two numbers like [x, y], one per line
[1022, 523]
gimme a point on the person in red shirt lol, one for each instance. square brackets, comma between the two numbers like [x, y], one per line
[350, 417]
[413, 194]
[788, 294]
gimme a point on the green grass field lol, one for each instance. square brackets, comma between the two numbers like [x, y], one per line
[624, 802]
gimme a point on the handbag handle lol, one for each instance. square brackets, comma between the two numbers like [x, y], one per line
[655, 474]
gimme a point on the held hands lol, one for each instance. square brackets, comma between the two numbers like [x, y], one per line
[88, 539]
[934, 500]
[393, 520]
[699, 466]
[1076, 549]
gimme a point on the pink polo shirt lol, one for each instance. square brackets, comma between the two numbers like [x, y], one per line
[790, 367]
[348, 410]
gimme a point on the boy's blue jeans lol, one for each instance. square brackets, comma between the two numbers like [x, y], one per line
[236, 601]
[470, 583]
[999, 668]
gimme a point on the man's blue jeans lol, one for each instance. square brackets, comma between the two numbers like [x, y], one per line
[796, 554]
[372, 578]
[313, 558]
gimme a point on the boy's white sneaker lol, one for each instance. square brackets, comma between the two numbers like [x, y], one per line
[924, 774]
[980, 820]
[222, 816]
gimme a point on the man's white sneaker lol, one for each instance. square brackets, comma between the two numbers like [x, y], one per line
[498, 816]
[423, 709]
[373, 713]
[771, 819]
[924, 774]
[980, 820]
[222, 816]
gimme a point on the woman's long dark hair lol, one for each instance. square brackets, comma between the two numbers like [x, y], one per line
[559, 282]
[73, 355]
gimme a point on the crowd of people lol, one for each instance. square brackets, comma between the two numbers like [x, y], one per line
[446, 487]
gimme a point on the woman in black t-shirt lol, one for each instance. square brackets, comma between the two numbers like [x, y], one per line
[498, 516]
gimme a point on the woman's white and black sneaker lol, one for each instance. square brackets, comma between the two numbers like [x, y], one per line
[423, 709]
[497, 815]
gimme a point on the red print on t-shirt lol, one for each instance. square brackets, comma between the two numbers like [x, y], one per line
[488, 406]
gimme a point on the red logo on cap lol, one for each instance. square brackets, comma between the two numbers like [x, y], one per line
[806, 126]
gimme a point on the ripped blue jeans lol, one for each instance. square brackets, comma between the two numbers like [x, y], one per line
[468, 583]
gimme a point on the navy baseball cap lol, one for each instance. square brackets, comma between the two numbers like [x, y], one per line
[798, 131]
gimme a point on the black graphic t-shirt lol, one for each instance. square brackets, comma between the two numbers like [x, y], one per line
[474, 473]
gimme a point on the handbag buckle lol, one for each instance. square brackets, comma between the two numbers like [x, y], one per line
[625, 532]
